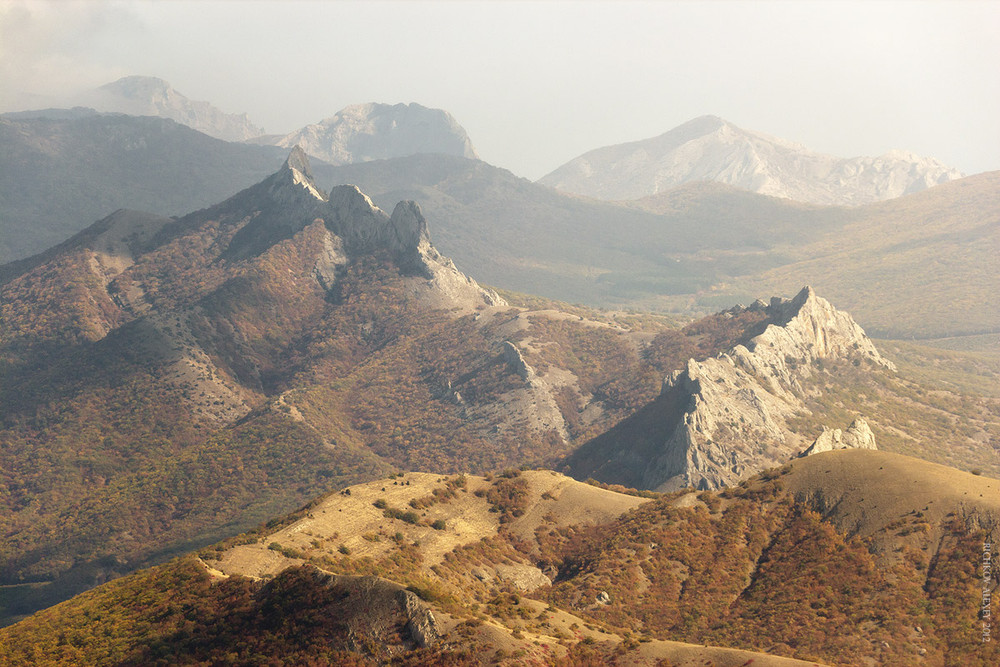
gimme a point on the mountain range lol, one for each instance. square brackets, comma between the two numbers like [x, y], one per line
[697, 248]
[705, 246]
[357, 133]
[282, 426]
[711, 149]
[172, 381]
[61, 171]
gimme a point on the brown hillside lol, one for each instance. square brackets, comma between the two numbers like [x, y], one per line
[224, 607]
[864, 493]
[843, 558]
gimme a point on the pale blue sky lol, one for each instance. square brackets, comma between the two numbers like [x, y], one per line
[536, 84]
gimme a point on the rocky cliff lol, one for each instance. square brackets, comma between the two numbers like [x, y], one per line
[365, 132]
[712, 149]
[726, 417]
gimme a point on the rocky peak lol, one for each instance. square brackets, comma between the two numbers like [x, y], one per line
[289, 200]
[736, 406]
[353, 216]
[140, 86]
[801, 330]
[296, 173]
[298, 162]
[365, 227]
[408, 224]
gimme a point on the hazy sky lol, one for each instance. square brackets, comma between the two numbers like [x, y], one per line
[537, 83]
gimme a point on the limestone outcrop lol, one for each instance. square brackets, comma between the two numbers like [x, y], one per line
[512, 356]
[733, 419]
[857, 436]
[420, 622]
[364, 228]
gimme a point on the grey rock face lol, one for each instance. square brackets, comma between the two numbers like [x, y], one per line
[857, 436]
[366, 132]
[711, 149]
[421, 624]
[512, 356]
[364, 227]
[738, 404]
[331, 261]
[150, 96]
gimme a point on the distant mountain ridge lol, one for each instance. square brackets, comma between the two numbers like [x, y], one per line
[151, 96]
[365, 132]
[702, 246]
[709, 148]
[64, 169]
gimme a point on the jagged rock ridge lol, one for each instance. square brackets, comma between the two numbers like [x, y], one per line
[151, 96]
[711, 149]
[738, 402]
[365, 132]
[290, 200]
[727, 417]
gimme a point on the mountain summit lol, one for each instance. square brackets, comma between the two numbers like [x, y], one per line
[712, 149]
[151, 96]
[725, 417]
[365, 132]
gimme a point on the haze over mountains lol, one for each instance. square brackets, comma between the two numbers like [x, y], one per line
[60, 174]
[711, 149]
[698, 247]
[151, 96]
[173, 377]
[705, 246]
[365, 132]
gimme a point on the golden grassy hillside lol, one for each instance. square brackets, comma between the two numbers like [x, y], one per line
[217, 607]
[851, 557]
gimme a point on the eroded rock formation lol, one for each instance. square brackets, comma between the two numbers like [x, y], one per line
[857, 436]
[723, 418]
[738, 404]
